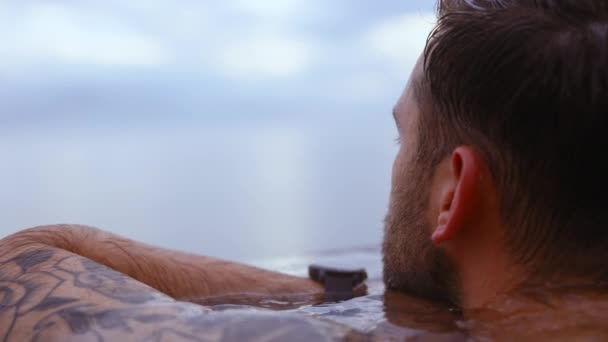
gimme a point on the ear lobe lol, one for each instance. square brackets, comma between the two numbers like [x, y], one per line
[457, 204]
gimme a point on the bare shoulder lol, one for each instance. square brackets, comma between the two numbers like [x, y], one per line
[49, 294]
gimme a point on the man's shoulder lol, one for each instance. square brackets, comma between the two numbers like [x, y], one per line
[48, 294]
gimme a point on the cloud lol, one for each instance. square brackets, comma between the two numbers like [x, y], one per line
[269, 8]
[400, 40]
[332, 51]
[47, 33]
[265, 55]
[376, 63]
[263, 42]
[362, 87]
[258, 42]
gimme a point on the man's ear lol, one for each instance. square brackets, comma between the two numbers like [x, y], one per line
[459, 198]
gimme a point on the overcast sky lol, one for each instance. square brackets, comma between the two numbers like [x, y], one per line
[235, 128]
[144, 60]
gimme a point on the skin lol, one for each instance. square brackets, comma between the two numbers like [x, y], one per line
[80, 283]
[182, 276]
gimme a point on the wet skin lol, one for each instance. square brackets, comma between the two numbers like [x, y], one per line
[48, 293]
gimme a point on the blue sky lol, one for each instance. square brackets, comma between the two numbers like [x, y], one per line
[146, 60]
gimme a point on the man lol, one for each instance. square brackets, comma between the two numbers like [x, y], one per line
[497, 205]
[499, 192]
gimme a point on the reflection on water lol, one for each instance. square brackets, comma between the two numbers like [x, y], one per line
[390, 316]
[369, 318]
[565, 310]
[378, 316]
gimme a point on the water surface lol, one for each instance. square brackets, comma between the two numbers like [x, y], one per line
[238, 190]
[378, 316]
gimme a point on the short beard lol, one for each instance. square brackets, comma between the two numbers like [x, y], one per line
[412, 264]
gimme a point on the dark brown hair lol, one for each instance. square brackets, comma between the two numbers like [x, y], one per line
[526, 83]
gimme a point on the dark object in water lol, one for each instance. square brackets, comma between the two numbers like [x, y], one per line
[339, 284]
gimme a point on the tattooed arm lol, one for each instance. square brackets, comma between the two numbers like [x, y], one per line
[180, 275]
[50, 294]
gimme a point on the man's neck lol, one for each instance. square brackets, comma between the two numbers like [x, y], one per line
[488, 274]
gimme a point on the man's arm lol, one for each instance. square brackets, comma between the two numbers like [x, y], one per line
[180, 275]
[50, 294]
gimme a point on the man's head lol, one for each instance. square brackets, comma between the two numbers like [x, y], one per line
[503, 130]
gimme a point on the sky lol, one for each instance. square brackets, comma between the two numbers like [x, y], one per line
[237, 128]
[148, 59]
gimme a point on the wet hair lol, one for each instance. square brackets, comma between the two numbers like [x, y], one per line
[525, 82]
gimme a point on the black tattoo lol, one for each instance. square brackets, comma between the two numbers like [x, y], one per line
[23, 294]
[129, 310]
[33, 291]
[51, 303]
[29, 259]
[105, 281]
